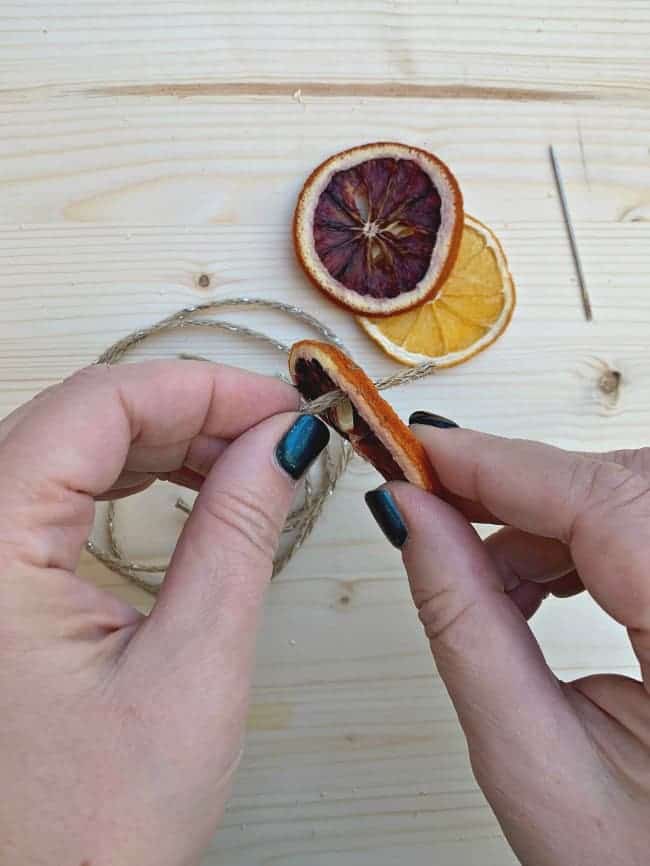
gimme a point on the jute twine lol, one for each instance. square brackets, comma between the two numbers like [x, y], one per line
[319, 482]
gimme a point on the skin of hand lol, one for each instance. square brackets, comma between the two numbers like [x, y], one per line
[119, 733]
[565, 766]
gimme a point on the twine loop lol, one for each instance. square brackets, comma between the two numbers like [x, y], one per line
[319, 482]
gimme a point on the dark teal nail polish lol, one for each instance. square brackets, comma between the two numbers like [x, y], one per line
[383, 508]
[301, 445]
[431, 420]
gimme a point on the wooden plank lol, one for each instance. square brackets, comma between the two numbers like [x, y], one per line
[67, 291]
[228, 160]
[588, 48]
[145, 146]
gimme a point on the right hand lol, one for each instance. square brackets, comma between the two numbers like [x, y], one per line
[565, 766]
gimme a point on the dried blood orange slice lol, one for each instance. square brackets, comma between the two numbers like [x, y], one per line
[472, 308]
[365, 419]
[377, 227]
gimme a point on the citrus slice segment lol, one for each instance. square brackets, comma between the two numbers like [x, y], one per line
[377, 227]
[365, 419]
[471, 309]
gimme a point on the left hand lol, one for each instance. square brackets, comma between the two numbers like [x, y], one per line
[119, 733]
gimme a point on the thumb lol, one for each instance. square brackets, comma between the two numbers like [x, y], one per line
[488, 658]
[200, 636]
[224, 557]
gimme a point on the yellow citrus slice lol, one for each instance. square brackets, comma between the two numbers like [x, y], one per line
[471, 309]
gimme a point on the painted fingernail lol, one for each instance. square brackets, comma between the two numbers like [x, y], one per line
[431, 420]
[383, 508]
[301, 445]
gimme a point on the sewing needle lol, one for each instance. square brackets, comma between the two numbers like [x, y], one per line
[584, 294]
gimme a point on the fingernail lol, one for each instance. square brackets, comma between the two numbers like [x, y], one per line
[431, 420]
[383, 508]
[301, 445]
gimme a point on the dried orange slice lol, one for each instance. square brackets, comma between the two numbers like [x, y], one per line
[365, 419]
[377, 227]
[472, 308]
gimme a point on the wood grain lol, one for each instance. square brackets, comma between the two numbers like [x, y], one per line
[591, 47]
[233, 161]
[89, 285]
[150, 157]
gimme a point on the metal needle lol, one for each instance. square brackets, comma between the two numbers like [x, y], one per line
[584, 294]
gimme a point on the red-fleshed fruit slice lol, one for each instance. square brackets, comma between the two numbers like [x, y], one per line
[377, 227]
[365, 419]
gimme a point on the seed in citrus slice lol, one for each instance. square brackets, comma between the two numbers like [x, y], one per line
[472, 308]
[365, 419]
[377, 227]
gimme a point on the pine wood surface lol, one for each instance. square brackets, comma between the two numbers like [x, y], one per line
[143, 146]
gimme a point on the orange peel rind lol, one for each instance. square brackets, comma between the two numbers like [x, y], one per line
[365, 419]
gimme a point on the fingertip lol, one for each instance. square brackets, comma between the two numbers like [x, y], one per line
[384, 509]
[430, 419]
[445, 445]
[446, 435]
[301, 444]
[422, 511]
[463, 460]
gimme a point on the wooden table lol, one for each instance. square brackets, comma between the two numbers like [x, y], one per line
[147, 145]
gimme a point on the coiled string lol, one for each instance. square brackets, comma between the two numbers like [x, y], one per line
[320, 480]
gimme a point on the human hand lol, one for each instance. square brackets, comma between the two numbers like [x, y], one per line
[119, 733]
[565, 766]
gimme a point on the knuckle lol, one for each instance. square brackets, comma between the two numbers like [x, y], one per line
[593, 481]
[632, 492]
[603, 493]
[612, 518]
[637, 460]
[251, 522]
[640, 460]
[444, 616]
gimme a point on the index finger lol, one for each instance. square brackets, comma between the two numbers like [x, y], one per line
[600, 509]
[522, 483]
[71, 445]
